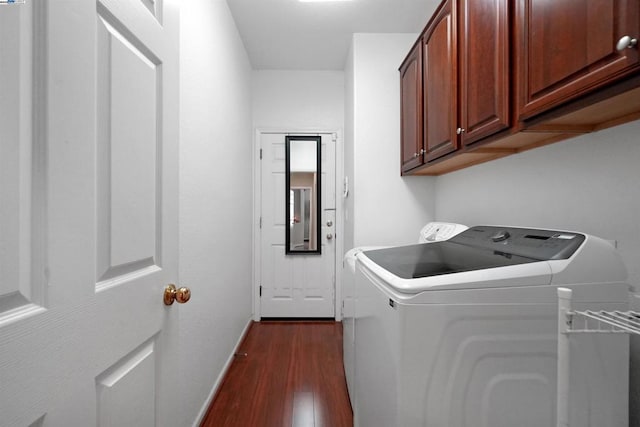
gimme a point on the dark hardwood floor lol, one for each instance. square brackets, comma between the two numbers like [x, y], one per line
[292, 376]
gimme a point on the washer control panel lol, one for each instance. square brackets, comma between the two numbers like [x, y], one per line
[528, 242]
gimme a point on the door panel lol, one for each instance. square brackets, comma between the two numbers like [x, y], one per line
[568, 48]
[440, 83]
[328, 185]
[132, 376]
[128, 154]
[411, 109]
[484, 68]
[18, 292]
[295, 285]
[89, 340]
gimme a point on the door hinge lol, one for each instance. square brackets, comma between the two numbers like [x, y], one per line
[261, 223]
[260, 290]
[261, 154]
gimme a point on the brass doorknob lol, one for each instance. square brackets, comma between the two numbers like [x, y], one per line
[171, 294]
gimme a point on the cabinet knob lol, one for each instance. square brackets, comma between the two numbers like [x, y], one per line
[423, 151]
[460, 131]
[626, 42]
[415, 155]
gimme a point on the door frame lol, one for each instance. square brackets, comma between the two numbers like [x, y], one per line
[257, 204]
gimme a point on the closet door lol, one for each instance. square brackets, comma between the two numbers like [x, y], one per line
[91, 213]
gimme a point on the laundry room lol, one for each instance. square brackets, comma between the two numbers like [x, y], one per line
[133, 142]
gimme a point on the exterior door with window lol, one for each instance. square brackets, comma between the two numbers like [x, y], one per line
[88, 213]
[302, 284]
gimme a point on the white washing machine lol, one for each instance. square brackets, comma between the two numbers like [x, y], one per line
[431, 232]
[462, 333]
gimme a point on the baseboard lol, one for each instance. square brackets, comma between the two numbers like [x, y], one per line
[223, 373]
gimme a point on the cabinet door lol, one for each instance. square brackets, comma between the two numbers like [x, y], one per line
[411, 109]
[567, 48]
[440, 82]
[484, 68]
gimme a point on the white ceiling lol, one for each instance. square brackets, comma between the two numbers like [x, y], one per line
[290, 35]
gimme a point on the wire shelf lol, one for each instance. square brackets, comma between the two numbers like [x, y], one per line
[603, 322]
[572, 322]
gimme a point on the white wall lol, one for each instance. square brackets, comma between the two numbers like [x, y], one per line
[215, 197]
[385, 208]
[298, 100]
[590, 184]
[347, 150]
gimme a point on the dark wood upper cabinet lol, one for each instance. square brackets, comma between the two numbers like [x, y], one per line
[439, 54]
[503, 76]
[484, 42]
[411, 109]
[465, 82]
[567, 48]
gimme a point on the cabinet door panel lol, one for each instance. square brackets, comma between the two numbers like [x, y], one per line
[567, 48]
[440, 83]
[411, 109]
[484, 68]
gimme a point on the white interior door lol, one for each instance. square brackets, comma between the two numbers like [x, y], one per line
[88, 212]
[295, 285]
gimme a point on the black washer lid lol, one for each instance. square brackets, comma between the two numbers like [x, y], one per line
[477, 248]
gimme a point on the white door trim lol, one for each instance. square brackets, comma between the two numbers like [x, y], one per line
[339, 240]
